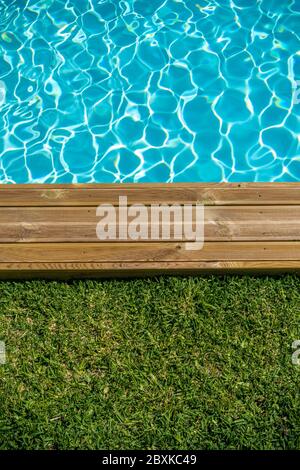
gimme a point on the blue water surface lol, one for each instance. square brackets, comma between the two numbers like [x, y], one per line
[149, 91]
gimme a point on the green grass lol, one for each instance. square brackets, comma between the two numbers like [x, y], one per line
[168, 363]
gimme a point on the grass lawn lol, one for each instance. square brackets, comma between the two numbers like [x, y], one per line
[167, 363]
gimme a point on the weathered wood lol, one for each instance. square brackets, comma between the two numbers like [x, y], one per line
[147, 252]
[78, 224]
[50, 230]
[202, 193]
[106, 270]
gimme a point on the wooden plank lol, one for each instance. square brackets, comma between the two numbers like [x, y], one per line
[50, 230]
[147, 252]
[87, 214]
[78, 224]
[202, 193]
[107, 270]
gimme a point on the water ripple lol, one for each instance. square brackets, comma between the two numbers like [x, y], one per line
[139, 91]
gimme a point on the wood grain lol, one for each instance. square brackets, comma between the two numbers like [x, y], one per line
[50, 230]
[146, 252]
[202, 193]
[124, 270]
[78, 224]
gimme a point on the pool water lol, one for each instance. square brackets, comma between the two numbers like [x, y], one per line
[149, 91]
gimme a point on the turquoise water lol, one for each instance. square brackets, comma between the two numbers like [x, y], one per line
[149, 90]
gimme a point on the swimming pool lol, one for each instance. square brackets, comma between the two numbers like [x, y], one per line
[149, 91]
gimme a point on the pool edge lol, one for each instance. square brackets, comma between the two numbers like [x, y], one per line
[239, 214]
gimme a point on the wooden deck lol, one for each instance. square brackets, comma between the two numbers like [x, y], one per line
[49, 231]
